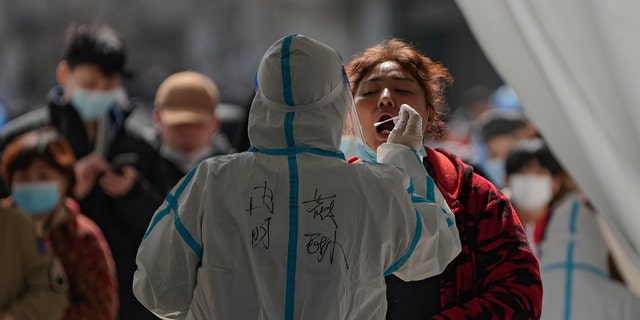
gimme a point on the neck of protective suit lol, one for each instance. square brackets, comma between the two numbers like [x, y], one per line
[302, 98]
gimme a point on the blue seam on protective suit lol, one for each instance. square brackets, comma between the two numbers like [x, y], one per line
[172, 201]
[291, 154]
[411, 188]
[293, 236]
[367, 155]
[570, 264]
[449, 220]
[292, 249]
[288, 129]
[576, 266]
[286, 70]
[431, 189]
[186, 236]
[419, 199]
[298, 150]
[160, 215]
[414, 242]
[172, 205]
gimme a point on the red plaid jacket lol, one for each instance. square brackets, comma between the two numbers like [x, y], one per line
[87, 260]
[496, 275]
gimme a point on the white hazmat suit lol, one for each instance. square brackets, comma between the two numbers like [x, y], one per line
[575, 271]
[289, 229]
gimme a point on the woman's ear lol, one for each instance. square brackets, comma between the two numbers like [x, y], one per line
[62, 73]
[431, 114]
[156, 117]
[558, 182]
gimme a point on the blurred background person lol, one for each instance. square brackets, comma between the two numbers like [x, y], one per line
[462, 137]
[483, 129]
[38, 167]
[499, 131]
[186, 128]
[574, 258]
[33, 284]
[534, 180]
[89, 107]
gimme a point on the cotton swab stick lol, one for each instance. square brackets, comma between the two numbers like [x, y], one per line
[385, 121]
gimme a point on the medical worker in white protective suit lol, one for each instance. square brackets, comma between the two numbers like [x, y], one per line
[575, 269]
[289, 229]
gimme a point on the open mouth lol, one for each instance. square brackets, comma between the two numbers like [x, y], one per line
[385, 128]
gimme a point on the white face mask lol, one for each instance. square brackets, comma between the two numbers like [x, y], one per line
[531, 192]
[185, 161]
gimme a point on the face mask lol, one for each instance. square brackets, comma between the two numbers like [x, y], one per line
[531, 192]
[495, 171]
[366, 154]
[93, 104]
[36, 198]
[185, 161]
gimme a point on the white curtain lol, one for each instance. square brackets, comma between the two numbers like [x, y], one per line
[575, 65]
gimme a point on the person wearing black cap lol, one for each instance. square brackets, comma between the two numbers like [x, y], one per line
[89, 107]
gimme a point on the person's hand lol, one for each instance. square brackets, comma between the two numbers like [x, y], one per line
[87, 170]
[6, 317]
[117, 185]
[408, 128]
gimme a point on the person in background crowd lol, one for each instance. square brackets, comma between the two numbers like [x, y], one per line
[89, 107]
[303, 234]
[533, 176]
[462, 137]
[241, 138]
[499, 131]
[187, 128]
[38, 168]
[32, 282]
[574, 258]
[496, 276]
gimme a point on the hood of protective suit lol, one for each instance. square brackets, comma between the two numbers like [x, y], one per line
[302, 98]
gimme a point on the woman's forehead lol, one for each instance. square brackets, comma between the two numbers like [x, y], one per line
[388, 70]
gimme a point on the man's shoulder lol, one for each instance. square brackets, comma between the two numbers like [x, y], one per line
[141, 132]
[25, 122]
[221, 144]
[19, 222]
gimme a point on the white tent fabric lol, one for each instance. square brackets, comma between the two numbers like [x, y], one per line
[575, 66]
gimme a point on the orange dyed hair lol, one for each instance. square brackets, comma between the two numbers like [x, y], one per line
[432, 76]
[46, 144]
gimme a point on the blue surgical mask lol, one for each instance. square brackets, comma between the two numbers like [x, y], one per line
[495, 171]
[36, 198]
[93, 104]
[366, 154]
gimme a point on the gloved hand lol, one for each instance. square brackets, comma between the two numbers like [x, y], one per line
[408, 128]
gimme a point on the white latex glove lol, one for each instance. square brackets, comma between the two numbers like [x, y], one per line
[408, 128]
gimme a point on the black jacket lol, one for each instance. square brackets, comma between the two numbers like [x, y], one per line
[167, 174]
